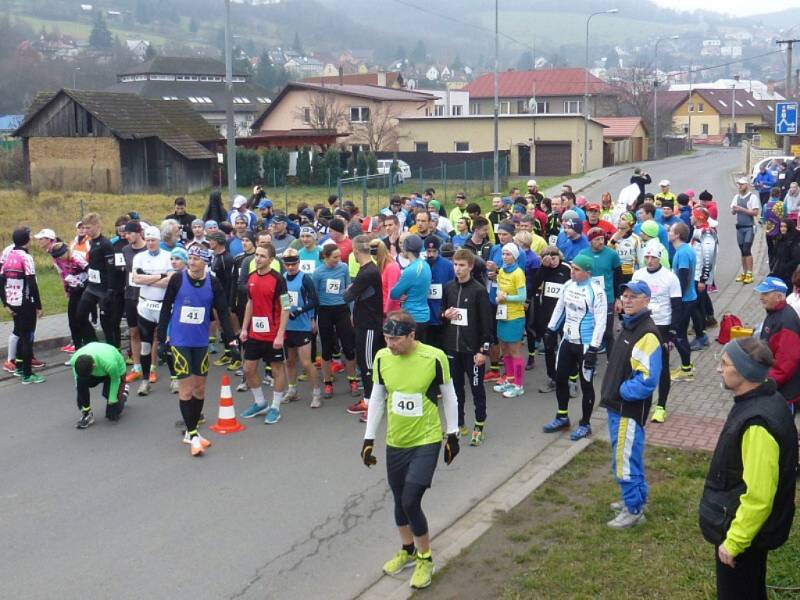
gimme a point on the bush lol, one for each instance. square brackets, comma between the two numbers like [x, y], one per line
[248, 167]
[304, 166]
[351, 166]
[276, 166]
[332, 162]
[372, 164]
[12, 168]
[319, 174]
[362, 163]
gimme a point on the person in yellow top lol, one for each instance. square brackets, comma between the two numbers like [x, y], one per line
[511, 296]
[459, 210]
[664, 194]
[747, 505]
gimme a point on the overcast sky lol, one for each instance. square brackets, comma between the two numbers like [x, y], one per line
[739, 8]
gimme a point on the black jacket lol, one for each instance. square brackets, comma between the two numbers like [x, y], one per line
[366, 292]
[474, 299]
[787, 257]
[724, 484]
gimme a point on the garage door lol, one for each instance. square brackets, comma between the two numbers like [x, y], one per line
[553, 158]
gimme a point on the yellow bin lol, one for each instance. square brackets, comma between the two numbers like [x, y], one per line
[737, 332]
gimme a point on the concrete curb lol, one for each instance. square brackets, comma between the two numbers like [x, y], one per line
[470, 526]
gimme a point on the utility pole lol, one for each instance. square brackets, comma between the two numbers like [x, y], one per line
[496, 155]
[610, 11]
[733, 108]
[691, 109]
[655, 93]
[229, 124]
[789, 43]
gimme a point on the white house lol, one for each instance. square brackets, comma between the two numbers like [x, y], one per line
[432, 74]
[448, 103]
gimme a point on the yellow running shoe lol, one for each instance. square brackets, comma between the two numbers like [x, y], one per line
[423, 573]
[748, 278]
[739, 278]
[682, 374]
[659, 415]
[402, 560]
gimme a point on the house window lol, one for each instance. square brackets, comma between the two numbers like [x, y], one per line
[475, 108]
[522, 107]
[306, 114]
[572, 106]
[505, 108]
[686, 129]
[456, 110]
[700, 107]
[438, 110]
[462, 146]
[359, 114]
[705, 128]
[542, 107]
[421, 146]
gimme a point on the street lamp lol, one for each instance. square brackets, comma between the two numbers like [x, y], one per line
[75, 78]
[655, 93]
[610, 11]
[229, 123]
[733, 108]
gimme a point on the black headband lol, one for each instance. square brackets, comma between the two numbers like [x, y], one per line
[394, 328]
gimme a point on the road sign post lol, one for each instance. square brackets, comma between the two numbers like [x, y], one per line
[786, 118]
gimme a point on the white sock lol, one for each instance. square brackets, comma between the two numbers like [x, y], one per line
[317, 391]
[258, 396]
[277, 398]
[12, 347]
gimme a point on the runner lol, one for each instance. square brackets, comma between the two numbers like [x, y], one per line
[263, 334]
[683, 265]
[533, 263]
[511, 296]
[150, 271]
[184, 324]
[581, 310]
[301, 327]
[413, 286]
[366, 294]
[91, 365]
[407, 374]
[626, 244]
[133, 232]
[607, 271]
[118, 243]
[665, 307]
[441, 273]
[468, 336]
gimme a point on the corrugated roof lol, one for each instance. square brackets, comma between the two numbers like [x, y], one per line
[129, 116]
[546, 82]
[174, 65]
[619, 127]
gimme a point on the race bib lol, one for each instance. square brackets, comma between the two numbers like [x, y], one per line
[496, 227]
[552, 240]
[502, 312]
[260, 324]
[192, 315]
[435, 292]
[599, 280]
[552, 290]
[94, 276]
[407, 405]
[571, 330]
[14, 291]
[119, 259]
[332, 286]
[153, 305]
[294, 297]
[307, 266]
[461, 318]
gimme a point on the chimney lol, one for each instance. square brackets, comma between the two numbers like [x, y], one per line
[341, 75]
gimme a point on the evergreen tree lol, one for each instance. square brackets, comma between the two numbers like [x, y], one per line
[363, 165]
[150, 53]
[304, 166]
[372, 163]
[193, 27]
[319, 175]
[296, 45]
[101, 37]
[270, 76]
[332, 163]
[457, 63]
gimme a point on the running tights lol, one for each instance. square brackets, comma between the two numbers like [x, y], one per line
[664, 380]
[568, 359]
[408, 508]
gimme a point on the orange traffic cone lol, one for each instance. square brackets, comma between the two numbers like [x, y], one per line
[226, 423]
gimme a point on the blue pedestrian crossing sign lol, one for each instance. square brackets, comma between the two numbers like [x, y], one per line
[786, 118]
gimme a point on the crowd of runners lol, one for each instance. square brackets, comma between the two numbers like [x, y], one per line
[401, 310]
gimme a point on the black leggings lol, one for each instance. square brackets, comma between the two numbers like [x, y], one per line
[664, 380]
[72, 317]
[88, 303]
[368, 342]
[24, 329]
[84, 384]
[408, 508]
[334, 322]
[463, 369]
[569, 358]
[682, 332]
[747, 580]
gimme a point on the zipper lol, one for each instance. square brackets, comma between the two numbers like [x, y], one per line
[458, 329]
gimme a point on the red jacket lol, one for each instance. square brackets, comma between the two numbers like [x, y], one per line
[781, 331]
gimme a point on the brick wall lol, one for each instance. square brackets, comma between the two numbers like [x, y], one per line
[81, 164]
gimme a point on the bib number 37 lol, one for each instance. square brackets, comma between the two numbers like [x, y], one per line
[407, 405]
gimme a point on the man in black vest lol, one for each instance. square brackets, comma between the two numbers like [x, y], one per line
[634, 368]
[748, 500]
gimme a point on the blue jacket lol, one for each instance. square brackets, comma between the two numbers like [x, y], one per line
[442, 272]
[415, 282]
[571, 248]
[765, 181]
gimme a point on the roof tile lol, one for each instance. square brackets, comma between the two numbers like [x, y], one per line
[546, 82]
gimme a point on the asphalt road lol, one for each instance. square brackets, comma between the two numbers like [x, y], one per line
[284, 511]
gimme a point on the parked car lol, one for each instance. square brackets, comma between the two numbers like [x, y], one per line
[385, 167]
[765, 161]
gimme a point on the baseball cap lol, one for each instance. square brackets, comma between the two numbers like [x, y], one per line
[637, 287]
[152, 233]
[46, 234]
[265, 203]
[592, 206]
[742, 180]
[663, 182]
[772, 284]
[280, 219]
[507, 200]
[239, 201]
[650, 228]
[652, 249]
[583, 262]
[531, 183]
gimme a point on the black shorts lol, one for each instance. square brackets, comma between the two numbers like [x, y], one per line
[412, 465]
[131, 312]
[190, 361]
[297, 339]
[257, 350]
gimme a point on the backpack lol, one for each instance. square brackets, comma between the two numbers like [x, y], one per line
[728, 322]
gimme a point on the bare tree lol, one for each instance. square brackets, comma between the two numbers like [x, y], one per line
[380, 132]
[325, 112]
[634, 87]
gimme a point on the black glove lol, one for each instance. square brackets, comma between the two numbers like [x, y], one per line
[114, 411]
[294, 312]
[590, 359]
[451, 448]
[366, 453]
[549, 339]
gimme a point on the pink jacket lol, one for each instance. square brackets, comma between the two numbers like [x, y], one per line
[389, 277]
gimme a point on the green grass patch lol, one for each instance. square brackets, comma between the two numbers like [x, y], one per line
[51, 291]
[556, 544]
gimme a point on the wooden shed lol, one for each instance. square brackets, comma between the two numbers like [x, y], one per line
[624, 140]
[116, 143]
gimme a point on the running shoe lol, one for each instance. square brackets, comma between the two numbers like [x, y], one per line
[9, 366]
[682, 374]
[318, 362]
[188, 440]
[492, 375]
[133, 376]
[355, 391]
[601, 349]
[327, 391]
[196, 446]
[144, 389]
[503, 386]
[581, 431]
[740, 278]
[477, 436]
[129, 360]
[659, 415]
[619, 505]
[242, 387]
[423, 573]
[748, 278]
[463, 431]
[514, 391]
[549, 386]
[357, 408]
[336, 367]
[316, 400]
[213, 348]
[253, 411]
[302, 377]
[32, 378]
[290, 395]
[86, 420]
[530, 364]
[37, 364]
[625, 519]
[234, 365]
[239, 373]
[153, 377]
[222, 360]
[401, 560]
[699, 343]
[70, 348]
[712, 289]
[556, 424]
[18, 372]
[174, 386]
[273, 416]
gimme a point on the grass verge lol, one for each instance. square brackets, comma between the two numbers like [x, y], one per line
[555, 544]
[51, 291]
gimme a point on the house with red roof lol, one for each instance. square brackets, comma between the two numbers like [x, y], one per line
[544, 91]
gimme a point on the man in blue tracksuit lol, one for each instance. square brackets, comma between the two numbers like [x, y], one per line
[413, 286]
[634, 368]
[442, 272]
